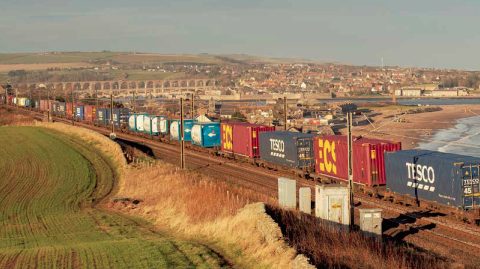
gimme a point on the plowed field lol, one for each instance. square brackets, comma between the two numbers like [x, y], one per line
[49, 185]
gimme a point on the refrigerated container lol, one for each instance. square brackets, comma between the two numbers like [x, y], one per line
[288, 149]
[331, 158]
[448, 179]
[242, 138]
[206, 135]
[150, 125]
[132, 122]
[163, 127]
[187, 129]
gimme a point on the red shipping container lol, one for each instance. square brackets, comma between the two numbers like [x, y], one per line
[242, 138]
[69, 110]
[331, 158]
[90, 112]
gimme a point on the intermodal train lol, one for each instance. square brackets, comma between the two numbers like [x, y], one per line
[447, 179]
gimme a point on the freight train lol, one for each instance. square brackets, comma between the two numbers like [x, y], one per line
[447, 179]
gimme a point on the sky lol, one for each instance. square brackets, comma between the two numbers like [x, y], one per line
[424, 33]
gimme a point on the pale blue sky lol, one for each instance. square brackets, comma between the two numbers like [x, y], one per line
[430, 33]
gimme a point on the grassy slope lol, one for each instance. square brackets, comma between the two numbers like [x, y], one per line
[48, 184]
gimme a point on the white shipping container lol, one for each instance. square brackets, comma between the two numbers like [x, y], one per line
[331, 203]
[197, 134]
[154, 125]
[174, 130]
[140, 123]
[147, 124]
[163, 124]
[131, 121]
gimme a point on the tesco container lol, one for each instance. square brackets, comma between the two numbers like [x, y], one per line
[242, 138]
[89, 113]
[102, 116]
[187, 129]
[79, 112]
[288, 148]
[331, 158]
[206, 135]
[150, 125]
[448, 179]
[120, 117]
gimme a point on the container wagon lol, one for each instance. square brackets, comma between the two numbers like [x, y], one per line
[331, 158]
[242, 138]
[290, 149]
[206, 135]
[448, 179]
[187, 129]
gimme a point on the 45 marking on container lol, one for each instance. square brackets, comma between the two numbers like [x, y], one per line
[328, 155]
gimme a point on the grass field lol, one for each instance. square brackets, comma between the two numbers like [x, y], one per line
[49, 185]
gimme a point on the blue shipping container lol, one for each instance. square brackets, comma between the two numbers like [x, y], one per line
[187, 129]
[206, 135]
[288, 148]
[103, 116]
[448, 179]
[79, 112]
[120, 116]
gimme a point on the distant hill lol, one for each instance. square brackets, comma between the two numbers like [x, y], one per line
[129, 57]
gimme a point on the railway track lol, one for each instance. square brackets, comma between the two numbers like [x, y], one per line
[444, 235]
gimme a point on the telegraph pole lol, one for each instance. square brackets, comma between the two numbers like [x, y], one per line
[350, 170]
[48, 104]
[192, 109]
[133, 102]
[111, 113]
[182, 138]
[73, 108]
[285, 112]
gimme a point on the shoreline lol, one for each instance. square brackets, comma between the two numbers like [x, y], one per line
[415, 128]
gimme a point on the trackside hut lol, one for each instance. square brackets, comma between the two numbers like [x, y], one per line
[448, 179]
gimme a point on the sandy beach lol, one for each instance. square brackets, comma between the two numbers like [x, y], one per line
[412, 129]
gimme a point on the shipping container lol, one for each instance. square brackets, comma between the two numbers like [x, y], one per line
[331, 158]
[242, 138]
[120, 117]
[10, 100]
[132, 122]
[288, 148]
[79, 112]
[37, 104]
[448, 179]
[60, 109]
[20, 101]
[187, 129]
[28, 103]
[69, 109]
[206, 135]
[140, 122]
[163, 127]
[89, 113]
[102, 116]
[150, 125]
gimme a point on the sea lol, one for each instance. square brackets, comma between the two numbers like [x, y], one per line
[463, 138]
